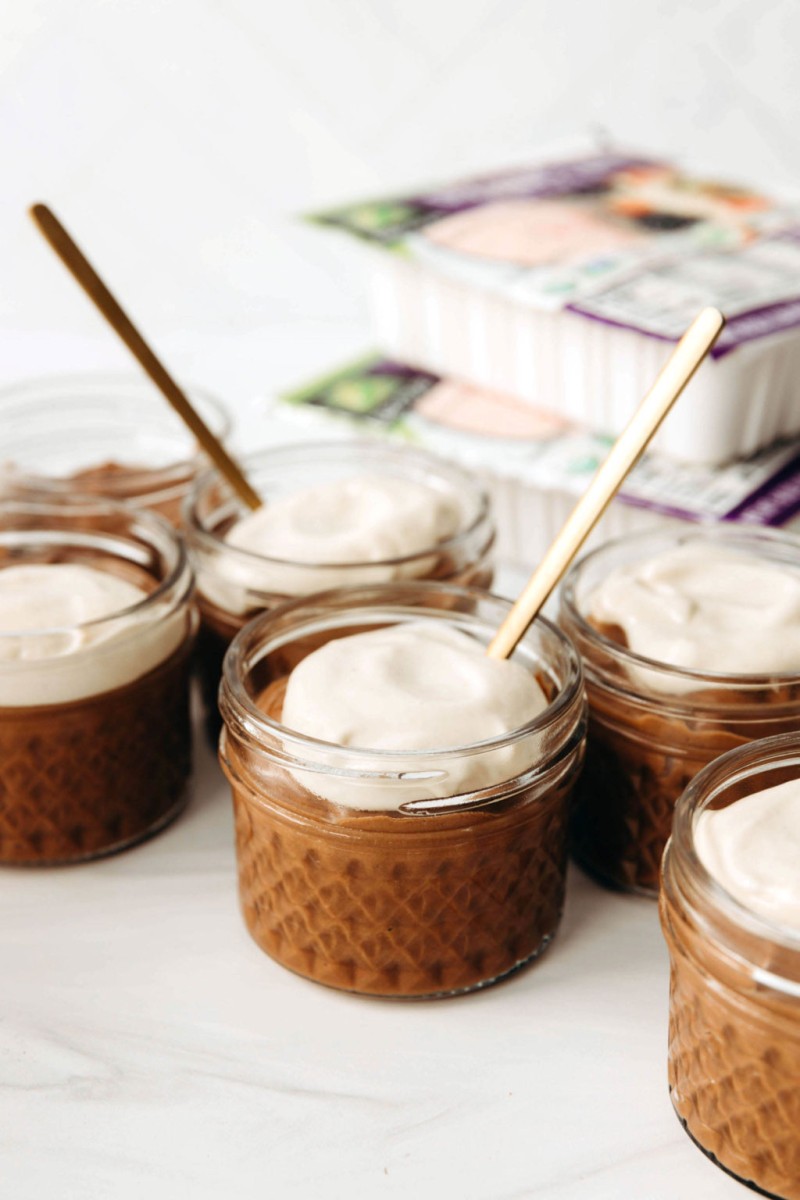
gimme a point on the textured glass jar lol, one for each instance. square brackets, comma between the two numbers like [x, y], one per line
[107, 435]
[421, 897]
[233, 585]
[95, 744]
[734, 1033]
[653, 726]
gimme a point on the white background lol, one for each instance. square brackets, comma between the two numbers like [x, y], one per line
[177, 139]
[147, 1048]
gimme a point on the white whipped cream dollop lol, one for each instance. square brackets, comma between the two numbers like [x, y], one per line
[420, 686]
[59, 640]
[316, 532]
[752, 849]
[706, 607]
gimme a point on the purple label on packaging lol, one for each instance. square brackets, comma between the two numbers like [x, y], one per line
[757, 287]
[747, 327]
[759, 323]
[619, 323]
[549, 179]
[397, 370]
[509, 439]
[776, 502]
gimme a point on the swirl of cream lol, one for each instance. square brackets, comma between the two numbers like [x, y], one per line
[706, 607]
[414, 687]
[68, 631]
[347, 532]
[752, 849]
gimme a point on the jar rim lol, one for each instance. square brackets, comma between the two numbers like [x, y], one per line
[93, 386]
[743, 762]
[209, 539]
[725, 533]
[352, 759]
[177, 565]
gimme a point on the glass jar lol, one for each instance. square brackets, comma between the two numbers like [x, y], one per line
[233, 585]
[424, 895]
[95, 746]
[734, 1027]
[653, 726]
[107, 435]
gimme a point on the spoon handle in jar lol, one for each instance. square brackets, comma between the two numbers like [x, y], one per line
[81, 269]
[676, 373]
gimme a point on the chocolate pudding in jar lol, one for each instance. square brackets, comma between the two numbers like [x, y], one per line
[96, 630]
[401, 800]
[690, 644]
[334, 514]
[730, 912]
[109, 436]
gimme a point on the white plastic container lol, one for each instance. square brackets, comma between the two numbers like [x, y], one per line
[565, 283]
[533, 466]
[584, 369]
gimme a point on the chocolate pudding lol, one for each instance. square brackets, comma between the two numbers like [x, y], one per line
[434, 523]
[136, 485]
[654, 724]
[384, 883]
[96, 631]
[92, 776]
[106, 436]
[360, 902]
[734, 1037]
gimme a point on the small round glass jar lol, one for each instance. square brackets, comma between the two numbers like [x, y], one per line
[95, 740]
[653, 726]
[425, 895]
[233, 585]
[734, 1026]
[113, 436]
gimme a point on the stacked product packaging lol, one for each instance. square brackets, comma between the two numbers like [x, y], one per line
[522, 315]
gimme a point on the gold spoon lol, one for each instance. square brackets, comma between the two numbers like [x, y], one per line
[679, 369]
[82, 270]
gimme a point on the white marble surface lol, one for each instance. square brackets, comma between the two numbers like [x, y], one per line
[149, 1048]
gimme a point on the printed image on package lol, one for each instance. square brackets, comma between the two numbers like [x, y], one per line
[556, 232]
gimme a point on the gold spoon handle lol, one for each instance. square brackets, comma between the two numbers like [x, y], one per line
[82, 270]
[679, 369]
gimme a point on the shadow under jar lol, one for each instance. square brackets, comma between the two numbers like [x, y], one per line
[113, 436]
[233, 585]
[653, 726]
[95, 741]
[734, 1025]
[425, 895]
